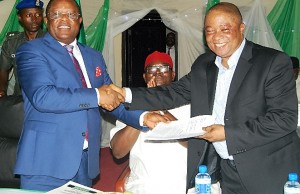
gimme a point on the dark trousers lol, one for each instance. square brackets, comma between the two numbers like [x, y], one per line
[230, 181]
[47, 183]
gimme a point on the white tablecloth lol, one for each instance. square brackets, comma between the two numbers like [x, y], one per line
[18, 191]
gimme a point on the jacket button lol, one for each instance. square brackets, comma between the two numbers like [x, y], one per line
[83, 134]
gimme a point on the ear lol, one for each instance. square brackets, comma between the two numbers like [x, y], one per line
[144, 76]
[242, 28]
[173, 75]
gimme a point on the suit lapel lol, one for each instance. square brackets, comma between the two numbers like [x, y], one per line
[241, 70]
[204, 74]
[212, 76]
[88, 63]
[61, 54]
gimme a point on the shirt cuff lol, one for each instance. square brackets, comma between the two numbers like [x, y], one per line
[98, 96]
[128, 97]
[144, 128]
[142, 118]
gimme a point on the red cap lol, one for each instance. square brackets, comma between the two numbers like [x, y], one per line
[158, 56]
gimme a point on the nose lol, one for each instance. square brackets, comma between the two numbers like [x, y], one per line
[64, 16]
[33, 18]
[157, 72]
[218, 35]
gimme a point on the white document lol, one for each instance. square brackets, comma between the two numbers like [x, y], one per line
[182, 128]
[18, 191]
[75, 188]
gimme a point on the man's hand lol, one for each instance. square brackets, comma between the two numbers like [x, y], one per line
[118, 89]
[214, 133]
[151, 83]
[2, 93]
[109, 98]
[169, 116]
[3, 82]
[151, 119]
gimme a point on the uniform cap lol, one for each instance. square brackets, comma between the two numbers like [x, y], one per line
[158, 56]
[29, 4]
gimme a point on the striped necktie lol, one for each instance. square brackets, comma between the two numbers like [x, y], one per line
[76, 64]
[78, 69]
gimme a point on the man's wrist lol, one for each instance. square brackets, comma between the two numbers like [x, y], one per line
[98, 96]
[142, 122]
[143, 128]
[128, 95]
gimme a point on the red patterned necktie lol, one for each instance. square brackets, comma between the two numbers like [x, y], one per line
[78, 69]
[76, 64]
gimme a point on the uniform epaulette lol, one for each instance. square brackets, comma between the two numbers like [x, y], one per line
[12, 34]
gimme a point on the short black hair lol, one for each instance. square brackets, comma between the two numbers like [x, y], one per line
[51, 2]
[227, 8]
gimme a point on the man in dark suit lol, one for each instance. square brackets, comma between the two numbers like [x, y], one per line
[250, 89]
[62, 89]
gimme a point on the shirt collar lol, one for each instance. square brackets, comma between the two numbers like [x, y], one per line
[74, 43]
[234, 58]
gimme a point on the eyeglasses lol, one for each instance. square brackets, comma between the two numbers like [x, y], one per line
[161, 68]
[57, 15]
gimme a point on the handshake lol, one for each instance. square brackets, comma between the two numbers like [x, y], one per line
[111, 96]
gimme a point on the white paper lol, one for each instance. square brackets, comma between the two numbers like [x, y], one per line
[75, 188]
[180, 129]
[17, 191]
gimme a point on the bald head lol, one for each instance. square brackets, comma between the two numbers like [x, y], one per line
[51, 2]
[224, 30]
[228, 8]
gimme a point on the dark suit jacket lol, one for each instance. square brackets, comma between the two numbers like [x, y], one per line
[58, 110]
[260, 116]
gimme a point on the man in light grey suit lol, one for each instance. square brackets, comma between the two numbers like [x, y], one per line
[250, 89]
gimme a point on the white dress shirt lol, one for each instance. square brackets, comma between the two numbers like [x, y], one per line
[222, 89]
[78, 56]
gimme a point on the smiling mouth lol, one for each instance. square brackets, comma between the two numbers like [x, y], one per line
[220, 44]
[64, 27]
[34, 26]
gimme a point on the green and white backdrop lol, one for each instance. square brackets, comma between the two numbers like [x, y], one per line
[272, 23]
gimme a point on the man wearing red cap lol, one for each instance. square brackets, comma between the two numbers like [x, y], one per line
[156, 167]
[30, 15]
[149, 159]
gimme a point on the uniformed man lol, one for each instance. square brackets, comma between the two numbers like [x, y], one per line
[30, 15]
